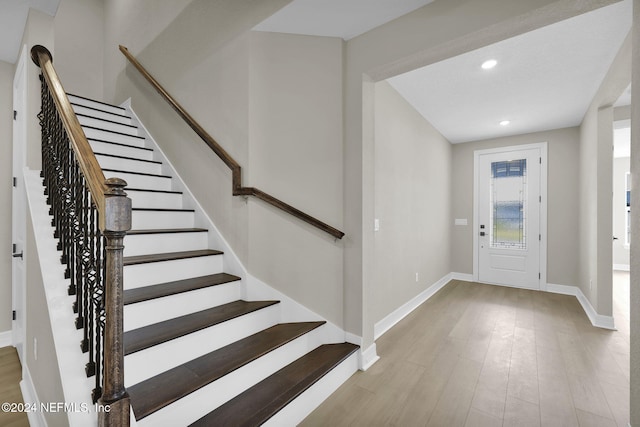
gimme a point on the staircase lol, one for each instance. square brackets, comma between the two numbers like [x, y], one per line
[196, 351]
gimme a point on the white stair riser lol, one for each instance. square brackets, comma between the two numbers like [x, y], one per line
[96, 105]
[199, 403]
[153, 273]
[113, 137]
[107, 162]
[79, 109]
[120, 150]
[107, 125]
[146, 182]
[144, 220]
[149, 199]
[157, 310]
[303, 405]
[147, 244]
[152, 361]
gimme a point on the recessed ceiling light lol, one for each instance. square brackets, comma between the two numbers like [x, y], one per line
[489, 64]
[505, 122]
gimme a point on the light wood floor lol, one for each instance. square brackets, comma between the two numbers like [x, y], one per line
[10, 376]
[480, 355]
[473, 355]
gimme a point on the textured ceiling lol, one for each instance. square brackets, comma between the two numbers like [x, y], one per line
[13, 17]
[545, 79]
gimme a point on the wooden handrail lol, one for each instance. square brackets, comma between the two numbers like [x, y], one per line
[87, 160]
[238, 189]
[114, 220]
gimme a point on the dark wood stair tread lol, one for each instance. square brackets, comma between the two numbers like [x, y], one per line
[148, 190]
[120, 144]
[167, 387]
[75, 104]
[145, 293]
[106, 120]
[162, 210]
[259, 403]
[98, 102]
[158, 333]
[144, 259]
[136, 173]
[165, 231]
[127, 158]
[112, 131]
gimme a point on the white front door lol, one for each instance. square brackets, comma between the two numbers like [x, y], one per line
[509, 204]
[19, 206]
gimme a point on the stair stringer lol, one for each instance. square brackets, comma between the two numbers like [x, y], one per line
[252, 287]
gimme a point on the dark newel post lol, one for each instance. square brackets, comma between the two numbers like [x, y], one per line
[117, 221]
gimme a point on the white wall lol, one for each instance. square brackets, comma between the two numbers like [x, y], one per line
[596, 183]
[79, 36]
[412, 202]
[199, 51]
[6, 188]
[635, 224]
[135, 25]
[562, 201]
[621, 167]
[38, 31]
[295, 154]
[274, 102]
[41, 358]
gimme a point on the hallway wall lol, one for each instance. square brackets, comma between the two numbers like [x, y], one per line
[6, 189]
[79, 36]
[295, 154]
[412, 202]
[596, 183]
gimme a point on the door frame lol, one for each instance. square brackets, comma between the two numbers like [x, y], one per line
[543, 206]
[19, 88]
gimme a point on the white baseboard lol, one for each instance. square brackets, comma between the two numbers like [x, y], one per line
[6, 339]
[368, 357]
[598, 320]
[622, 267]
[401, 312]
[562, 289]
[462, 276]
[30, 397]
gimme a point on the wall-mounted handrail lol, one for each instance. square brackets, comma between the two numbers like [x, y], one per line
[91, 216]
[238, 189]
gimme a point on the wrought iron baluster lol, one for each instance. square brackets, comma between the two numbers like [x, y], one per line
[91, 247]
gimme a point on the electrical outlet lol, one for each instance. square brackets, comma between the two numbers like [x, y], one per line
[35, 348]
[376, 224]
[417, 277]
